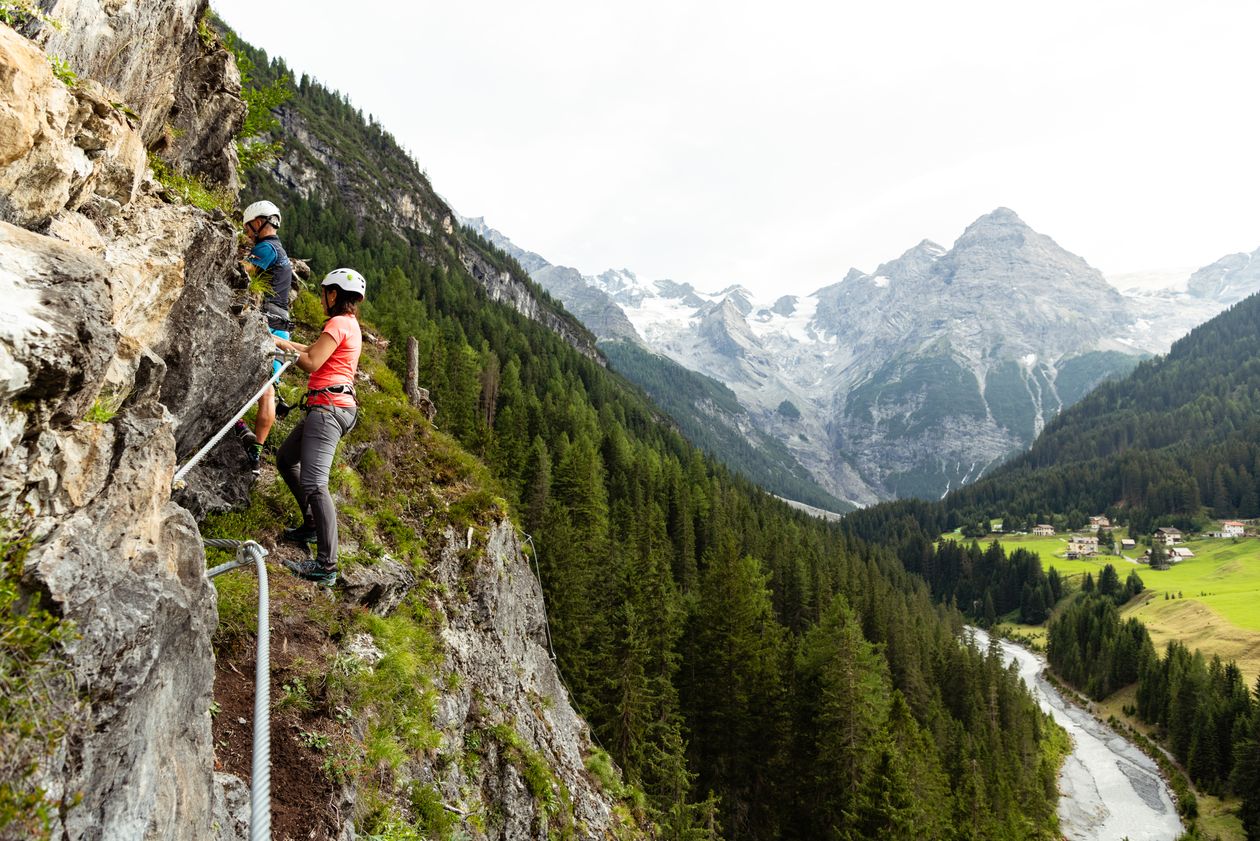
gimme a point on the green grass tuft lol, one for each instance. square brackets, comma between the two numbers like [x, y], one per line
[62, 70]
[191, 189]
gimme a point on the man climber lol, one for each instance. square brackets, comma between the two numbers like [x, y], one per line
[267, 258]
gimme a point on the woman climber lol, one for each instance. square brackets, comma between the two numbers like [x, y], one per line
[306, 456]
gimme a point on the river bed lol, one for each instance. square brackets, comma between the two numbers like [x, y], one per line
[1110, 789]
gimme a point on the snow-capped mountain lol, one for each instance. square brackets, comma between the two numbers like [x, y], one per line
[916, 377]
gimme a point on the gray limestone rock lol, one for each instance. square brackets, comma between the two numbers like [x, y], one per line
[380, 587]
[138, 50]
[125, 565]
[59, 147]
[58, 341]
[230, 820]
[496, 641]
[206, 116]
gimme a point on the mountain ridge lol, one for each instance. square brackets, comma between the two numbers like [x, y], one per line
[1034, 325]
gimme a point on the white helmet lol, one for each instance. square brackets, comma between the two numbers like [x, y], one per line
[264, 209]
[346, 279]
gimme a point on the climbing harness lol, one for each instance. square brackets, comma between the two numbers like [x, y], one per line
[340, 388]
[178, 482]
[260, 773]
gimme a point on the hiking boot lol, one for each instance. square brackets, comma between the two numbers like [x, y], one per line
[244, 433]
[312, 571]
[300, 535]
[253, 455]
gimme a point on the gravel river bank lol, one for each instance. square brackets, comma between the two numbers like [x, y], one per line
[1110, 789]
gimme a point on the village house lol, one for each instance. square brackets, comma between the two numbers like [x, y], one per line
[1168, 534]
[1082, 546]
[1232, 528]
[1128, 543]
[1180, 553]
[1043, 530]
[1100, 523]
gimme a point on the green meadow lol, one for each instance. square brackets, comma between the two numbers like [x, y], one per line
[1210, 602]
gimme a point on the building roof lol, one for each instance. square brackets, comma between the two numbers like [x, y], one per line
[1232, 523]
[1167, 530]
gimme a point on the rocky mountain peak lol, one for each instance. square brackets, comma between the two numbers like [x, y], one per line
[999, 228]
[914, 264]
[1229, 279]
[739, 297]
[785, 305]
[722, 324]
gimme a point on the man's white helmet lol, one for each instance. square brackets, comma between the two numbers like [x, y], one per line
[263, 209]
[347, 279]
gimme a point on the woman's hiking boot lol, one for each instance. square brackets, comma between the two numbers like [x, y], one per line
[312, 571]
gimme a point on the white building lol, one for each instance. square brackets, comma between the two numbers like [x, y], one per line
[1082, 545]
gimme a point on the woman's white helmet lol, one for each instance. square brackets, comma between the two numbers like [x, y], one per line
[262, 209]
[346, 279]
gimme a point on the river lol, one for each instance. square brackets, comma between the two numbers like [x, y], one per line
[1110, 789]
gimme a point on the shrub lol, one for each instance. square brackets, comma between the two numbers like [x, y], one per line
[38, 702]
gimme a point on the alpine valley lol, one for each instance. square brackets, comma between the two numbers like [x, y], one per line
[903, 382]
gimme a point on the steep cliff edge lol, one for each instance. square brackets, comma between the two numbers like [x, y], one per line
[125, 344]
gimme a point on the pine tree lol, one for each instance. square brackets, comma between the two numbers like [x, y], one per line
[734, 698]
[1246, 777]
[1109, 581]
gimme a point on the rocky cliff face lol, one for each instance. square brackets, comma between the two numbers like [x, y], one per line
[125, 344]
[118, 304]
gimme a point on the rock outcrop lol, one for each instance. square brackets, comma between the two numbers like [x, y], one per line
[496, 643]
[121, 342]
[161, 65]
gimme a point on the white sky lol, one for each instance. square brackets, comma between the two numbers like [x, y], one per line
[778, 144]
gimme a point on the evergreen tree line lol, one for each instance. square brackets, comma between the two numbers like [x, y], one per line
[701, 406]
[1205, 714]
[748, 667]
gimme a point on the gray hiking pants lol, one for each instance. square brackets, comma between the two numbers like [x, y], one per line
[304, 460]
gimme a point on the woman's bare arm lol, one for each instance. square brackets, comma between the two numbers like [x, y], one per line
[312, 356]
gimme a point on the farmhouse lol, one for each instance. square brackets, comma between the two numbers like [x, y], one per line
[1180, 553]
[1043, 530]
[1082, 545]
[1168, 534]
[1100, 523]
[1232, 528]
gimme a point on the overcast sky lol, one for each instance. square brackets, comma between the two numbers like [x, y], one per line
[778, 144]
